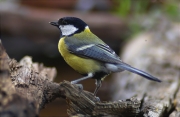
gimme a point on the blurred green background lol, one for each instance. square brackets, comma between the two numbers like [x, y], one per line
[25, 30]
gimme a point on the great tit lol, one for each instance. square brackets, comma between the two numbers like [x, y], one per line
[88, 54]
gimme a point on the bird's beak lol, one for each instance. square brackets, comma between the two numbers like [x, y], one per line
[54, 23]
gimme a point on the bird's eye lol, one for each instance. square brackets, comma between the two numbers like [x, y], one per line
[64, 22]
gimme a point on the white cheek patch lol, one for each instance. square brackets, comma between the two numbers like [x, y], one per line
[67, 29]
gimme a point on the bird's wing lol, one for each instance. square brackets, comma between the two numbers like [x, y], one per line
[100, 52]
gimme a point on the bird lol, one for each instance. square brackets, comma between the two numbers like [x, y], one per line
[88, 54]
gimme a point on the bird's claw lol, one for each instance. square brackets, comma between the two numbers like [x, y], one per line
[79, 86]
[97, 99]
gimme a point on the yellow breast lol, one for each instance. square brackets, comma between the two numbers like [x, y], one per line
[82, 65]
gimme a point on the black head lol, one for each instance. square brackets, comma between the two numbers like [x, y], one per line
[70, 25]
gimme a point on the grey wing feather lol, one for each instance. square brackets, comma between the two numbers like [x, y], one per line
[100, 52]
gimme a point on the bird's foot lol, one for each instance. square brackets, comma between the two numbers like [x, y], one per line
[97, 99]
[79, 86]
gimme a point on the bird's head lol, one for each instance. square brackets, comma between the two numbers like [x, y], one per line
[70, 25]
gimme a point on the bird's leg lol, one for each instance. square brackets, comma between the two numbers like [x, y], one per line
[90, 75]
[98, 85]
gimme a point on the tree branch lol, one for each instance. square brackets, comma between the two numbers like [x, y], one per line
[26, 87]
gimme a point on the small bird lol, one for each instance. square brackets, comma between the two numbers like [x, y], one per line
[88, 54]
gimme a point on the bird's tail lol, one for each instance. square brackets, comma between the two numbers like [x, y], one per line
[139, 72]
